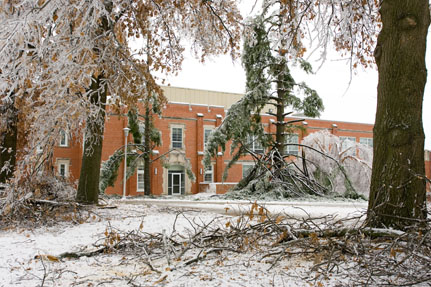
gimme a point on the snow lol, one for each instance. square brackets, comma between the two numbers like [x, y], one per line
[19, 267]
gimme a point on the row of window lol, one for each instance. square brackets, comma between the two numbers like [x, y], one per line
[291, 141]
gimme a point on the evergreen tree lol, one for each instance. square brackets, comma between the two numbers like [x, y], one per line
[268, 82]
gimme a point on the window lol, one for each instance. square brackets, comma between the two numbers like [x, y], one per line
[366, 141]
[64, 139]
[254, 144]
[177, 137]
[207, 132]
[208, 176]
[175, 182]
[246, 169]
[347, 143]
[292, 141]
[63, 168]
[140, 178]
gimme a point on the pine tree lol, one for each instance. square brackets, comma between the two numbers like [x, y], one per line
[268, 82]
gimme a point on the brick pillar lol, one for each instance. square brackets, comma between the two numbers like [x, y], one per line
[219, 159]
[271, 126]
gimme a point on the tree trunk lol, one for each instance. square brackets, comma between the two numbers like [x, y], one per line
[147, 148]
[8, 141]
[88, 187]
[397, 192]
[280, 137]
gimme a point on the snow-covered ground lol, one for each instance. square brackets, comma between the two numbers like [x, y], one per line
[24, 259]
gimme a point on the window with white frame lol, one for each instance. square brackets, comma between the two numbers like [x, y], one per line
[208, 176]
[254, 144]
[64, 139]
[63, 168]
[246, 169]
[366, 141]
[207, 132]
[140, 178]
[292, 141]
[177, 137]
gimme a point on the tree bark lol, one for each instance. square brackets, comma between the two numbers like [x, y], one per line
[397, 192]
[147, 148]
[88, 187]
[280, 126]
[8, 141]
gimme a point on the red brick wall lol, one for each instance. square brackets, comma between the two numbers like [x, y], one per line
[73, 153]
[193, 118]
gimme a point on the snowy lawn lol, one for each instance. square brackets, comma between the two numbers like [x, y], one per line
[31, 257]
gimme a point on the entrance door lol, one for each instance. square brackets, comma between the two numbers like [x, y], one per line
[176, 180]
[176, 183]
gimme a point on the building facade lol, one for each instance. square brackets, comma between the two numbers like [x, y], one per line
[185, 124]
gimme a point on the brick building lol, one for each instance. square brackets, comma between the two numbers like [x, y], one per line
[185, 124]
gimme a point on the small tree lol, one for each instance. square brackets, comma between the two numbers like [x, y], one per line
[344, 167]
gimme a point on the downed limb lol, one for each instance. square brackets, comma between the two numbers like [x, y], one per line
[330, 245]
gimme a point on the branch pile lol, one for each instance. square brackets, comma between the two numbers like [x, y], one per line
[331, 247]
[40, 200]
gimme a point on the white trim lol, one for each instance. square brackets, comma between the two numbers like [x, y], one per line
[200, 105]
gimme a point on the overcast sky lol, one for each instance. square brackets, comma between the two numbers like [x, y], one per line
[356, 104]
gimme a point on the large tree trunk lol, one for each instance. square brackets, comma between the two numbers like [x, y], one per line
[8, 141]
[397, 194]
[147, 148]
[88, 187]
[280, 126]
